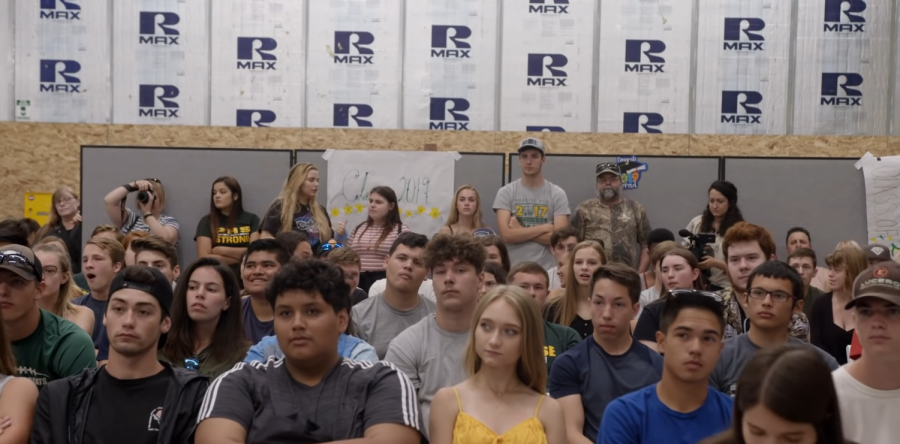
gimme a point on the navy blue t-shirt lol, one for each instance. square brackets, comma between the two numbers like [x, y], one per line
[253, 327]
[599, 377]
[641, 418]
[98, 307]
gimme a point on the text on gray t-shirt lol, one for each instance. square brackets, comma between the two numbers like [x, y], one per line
[532, 207]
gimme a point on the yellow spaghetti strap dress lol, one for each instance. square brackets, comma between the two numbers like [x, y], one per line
[469, 430]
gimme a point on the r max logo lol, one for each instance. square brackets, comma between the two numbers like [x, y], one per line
[255, 117]
[745, 99]
[343, 40]
[845, 16]
[342, 114]
[156, 101]
[633, 122]
[441, 38]
[637, 50]
[544, 70]
[71, 10]
[261, 47]
[440, 107]
[540, 7]
[742, 34]
[165, 22]
[545, 129]
[56, 76]
[831, 96]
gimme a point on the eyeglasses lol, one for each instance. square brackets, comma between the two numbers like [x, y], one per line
[50, 270]
[777, 295]
[16, 259]
[680, 292]
[65, 200]
[192, 363]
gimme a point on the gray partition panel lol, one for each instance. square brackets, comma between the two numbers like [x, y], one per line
[484, 171]
[825, 196]
[673, 190]
[188, 176]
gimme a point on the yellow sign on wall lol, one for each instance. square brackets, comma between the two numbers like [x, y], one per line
[38, 205]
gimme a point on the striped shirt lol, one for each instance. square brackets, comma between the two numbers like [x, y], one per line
[134, 222]
[363, 242]
[274, 408]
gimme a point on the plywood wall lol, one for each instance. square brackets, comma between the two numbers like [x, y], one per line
[38, 157]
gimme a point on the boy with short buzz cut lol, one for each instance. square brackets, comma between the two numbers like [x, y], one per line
[562, 242]
[680, 409]
[350, 263]
[772, 298]
[532, 278]
[804, 261]
[312, 395]
[101, 259]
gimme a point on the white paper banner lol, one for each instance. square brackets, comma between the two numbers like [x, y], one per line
[161, 53]
[882, 176]
[62, 61]
[7, 43]
[645, 66]
[354, 64]
[257, 63]
[450, 65]
[547, 68]
[842, 67]
[743, 61]
[896, 111]
[422, 181]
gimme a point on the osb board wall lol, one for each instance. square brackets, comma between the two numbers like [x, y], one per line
[38, 157]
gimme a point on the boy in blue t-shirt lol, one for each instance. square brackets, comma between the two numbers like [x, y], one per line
[681, 408]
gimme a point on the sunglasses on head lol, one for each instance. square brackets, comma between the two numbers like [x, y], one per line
[18, 260]
[678, 292]
[151, 179]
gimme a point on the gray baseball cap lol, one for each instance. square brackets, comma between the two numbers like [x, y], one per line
[532, 143]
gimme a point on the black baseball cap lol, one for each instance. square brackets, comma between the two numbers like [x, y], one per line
[160, 288]
[21, 260]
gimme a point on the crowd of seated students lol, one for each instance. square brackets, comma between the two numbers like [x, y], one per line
[292, 327]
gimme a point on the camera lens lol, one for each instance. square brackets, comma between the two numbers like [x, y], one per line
[143, 197]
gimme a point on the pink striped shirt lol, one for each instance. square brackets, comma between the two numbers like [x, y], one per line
[363, 242]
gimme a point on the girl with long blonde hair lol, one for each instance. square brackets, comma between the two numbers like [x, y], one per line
[504, 398]
[60, 289]
[296, 208]
[572, 306]
[65, 222]
[465, 212]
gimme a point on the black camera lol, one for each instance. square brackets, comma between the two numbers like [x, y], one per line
[700, 243]
[145, 196]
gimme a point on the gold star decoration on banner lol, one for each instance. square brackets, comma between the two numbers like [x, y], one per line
[435, 212]
[409, 213]
[360, 208]
[420, 210]
[335, 212]
[348, 210]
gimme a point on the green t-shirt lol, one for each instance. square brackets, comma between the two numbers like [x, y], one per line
[57, 349]
[558, 339]
[237, 237]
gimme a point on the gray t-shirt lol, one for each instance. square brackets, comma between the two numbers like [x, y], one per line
[738, 351]
[378, 323]
[533, 207]
[432, 358]
[274, 408]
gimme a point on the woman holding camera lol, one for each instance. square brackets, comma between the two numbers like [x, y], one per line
[150, 201]
[720, 214]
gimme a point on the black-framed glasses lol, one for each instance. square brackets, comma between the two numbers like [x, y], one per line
[678, 292]
[192, 363]
[18, 260]
[777, 295]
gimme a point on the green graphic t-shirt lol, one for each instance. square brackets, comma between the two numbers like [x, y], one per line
[57, 349]
[237, 237]
[558, 339]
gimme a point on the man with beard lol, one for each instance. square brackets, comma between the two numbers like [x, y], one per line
[619, 224]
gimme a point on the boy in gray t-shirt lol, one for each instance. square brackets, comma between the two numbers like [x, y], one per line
[534, 202]
[377, 323]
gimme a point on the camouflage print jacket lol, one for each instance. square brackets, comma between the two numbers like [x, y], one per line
[735, 319]
[622, 228]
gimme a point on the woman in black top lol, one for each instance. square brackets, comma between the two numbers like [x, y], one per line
[830, 325]
[573, 307]
[296, 208]
[234, 228]
[679, 269]
[65, 223]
